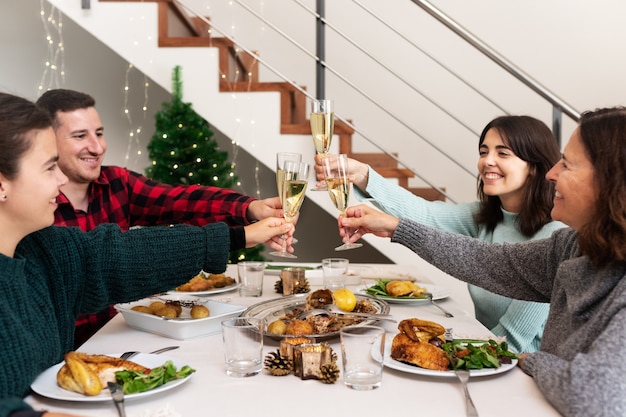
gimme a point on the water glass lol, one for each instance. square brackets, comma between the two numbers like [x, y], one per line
[243, 346]
[362, 353]
[251, 278]
[335, 272]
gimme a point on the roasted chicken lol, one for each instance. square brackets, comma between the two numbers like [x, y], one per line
[413, 344]
[88, 374]
[404, 289]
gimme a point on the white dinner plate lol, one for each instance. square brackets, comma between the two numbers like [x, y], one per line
[46, 383]
[208, 292]
[412, 369]
[438, 293]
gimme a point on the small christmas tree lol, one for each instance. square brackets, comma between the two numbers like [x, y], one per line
[183, 152]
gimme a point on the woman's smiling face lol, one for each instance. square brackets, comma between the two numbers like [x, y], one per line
[502, 172]
[576, 192]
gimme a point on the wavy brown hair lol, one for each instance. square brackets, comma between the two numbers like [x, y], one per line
[603, 135]
[532, 141]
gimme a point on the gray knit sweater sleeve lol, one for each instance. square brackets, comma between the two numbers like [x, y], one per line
[581, 364]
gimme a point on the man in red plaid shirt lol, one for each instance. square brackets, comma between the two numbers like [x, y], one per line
[98, 194]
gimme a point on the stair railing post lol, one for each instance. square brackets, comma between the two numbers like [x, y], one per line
[320, 48]
[557, 115]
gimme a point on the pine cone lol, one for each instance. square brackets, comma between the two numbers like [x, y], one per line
[329, 373]
[278, 365]
[301, 288]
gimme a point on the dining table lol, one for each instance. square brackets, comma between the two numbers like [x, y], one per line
[211, 392]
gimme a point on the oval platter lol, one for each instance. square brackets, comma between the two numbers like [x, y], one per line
[272, 310]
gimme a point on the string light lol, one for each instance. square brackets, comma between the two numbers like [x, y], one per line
[134, 132]
[54, 65]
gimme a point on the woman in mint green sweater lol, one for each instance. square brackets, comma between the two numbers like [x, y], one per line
[50, 275]
[515, 152]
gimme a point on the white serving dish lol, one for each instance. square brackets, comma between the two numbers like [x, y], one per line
[183, 327]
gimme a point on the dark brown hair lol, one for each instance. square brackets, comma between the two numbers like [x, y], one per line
[19, 118]
[62, 100]
[603, 135]
[532, 141]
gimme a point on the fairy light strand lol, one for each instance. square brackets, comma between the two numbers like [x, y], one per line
[54, 65]
[134, 133]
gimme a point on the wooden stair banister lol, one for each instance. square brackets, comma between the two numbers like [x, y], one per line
[239, 73]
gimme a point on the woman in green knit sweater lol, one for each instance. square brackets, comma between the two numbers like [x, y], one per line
[50, 275]
[514, 154]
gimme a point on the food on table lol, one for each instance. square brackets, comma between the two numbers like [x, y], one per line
[88, 374]
[298, 328]
[396, 288]
[344, 299]
[422, 343]
[277, 327]
[206, 282]
[413, 344]
[133, 381]
[320, 324]
[199, 312]
[319, 299]
[173, 309]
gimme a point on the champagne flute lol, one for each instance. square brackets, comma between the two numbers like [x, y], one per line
[295, 176]
[281, 158]
[322, 117]
[338, 184]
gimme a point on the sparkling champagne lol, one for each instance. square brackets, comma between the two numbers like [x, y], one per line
[293, 196]
[280, 180]
[339, 190]
[322, 125]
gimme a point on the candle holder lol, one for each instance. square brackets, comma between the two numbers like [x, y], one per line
[288, 344]
[292, 279]
[309, 358]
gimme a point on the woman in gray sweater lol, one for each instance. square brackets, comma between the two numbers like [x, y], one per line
[580, 271]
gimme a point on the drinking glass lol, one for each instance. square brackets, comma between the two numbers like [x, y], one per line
[295, 180]
[322, 117]
[338, 185]
[281, 158]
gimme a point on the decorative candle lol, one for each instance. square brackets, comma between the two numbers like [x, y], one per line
[288, 343]
[291, 278]
[309, 358]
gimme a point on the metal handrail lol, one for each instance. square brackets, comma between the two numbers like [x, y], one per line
[499, 59]
[559, 105]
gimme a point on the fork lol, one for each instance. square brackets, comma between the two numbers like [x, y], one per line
[443, 310]
[470, 409]
[117, 393]
[130, 354]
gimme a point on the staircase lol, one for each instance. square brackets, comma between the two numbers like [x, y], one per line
[239, 73]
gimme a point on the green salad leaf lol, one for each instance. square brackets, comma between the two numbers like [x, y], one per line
[477, 354]
[379, 289]
[133, 382]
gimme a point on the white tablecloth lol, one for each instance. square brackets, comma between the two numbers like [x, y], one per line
[210, 392]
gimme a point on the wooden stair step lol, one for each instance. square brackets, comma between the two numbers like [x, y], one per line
[239, 73]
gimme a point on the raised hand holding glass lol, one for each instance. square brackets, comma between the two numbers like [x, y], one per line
[295, 180]
[338, 185]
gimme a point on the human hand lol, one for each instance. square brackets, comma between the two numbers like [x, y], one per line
[521, 358]
[270, 231]
[358, 172]
[261, 209]
[364, 219]
[48, 414]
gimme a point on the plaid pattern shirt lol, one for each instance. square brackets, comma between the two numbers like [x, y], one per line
[130, 199]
